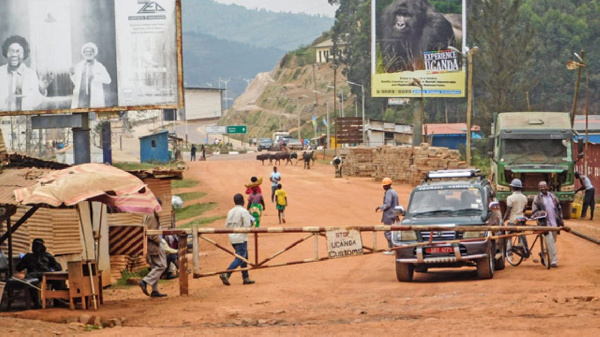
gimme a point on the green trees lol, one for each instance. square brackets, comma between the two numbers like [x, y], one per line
[504, 39]
[562, 28]
[523, 48]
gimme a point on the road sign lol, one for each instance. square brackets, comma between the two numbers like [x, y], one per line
[219, 130]
[236, 128]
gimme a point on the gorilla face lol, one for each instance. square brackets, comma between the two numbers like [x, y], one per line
[403, 22]
[403, 18]
[407, 29]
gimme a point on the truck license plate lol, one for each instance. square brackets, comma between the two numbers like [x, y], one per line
[439, 250]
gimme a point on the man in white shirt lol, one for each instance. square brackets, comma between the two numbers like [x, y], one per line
[275, 179]
[238, 217]
[515, 208]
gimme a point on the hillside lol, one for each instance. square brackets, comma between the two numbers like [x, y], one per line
[232, 43]
[206, 59]
[276, 99]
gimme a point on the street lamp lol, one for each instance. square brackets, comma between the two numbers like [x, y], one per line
[418, 116]
[572, 65]
[469, 54]
[362, 88]
[226, 98]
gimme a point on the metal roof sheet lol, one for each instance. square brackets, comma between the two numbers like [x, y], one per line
[12, 179]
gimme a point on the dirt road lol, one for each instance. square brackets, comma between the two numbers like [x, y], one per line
[350, 296]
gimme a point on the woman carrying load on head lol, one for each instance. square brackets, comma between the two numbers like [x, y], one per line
[256, 203]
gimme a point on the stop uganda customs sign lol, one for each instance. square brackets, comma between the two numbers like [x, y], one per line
[343, 242]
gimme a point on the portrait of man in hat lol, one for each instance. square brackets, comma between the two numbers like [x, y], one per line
[89, 77]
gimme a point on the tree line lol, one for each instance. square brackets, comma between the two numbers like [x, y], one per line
[524, 46]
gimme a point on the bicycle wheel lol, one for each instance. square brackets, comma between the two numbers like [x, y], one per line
[544, 252]
[512, 255]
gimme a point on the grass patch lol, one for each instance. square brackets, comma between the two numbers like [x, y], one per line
[131, 166]
[203, 221]
[193, 210]
[126, 274]
[183, 183]
[191, 196]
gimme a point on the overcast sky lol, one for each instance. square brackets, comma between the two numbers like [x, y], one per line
[295, 6]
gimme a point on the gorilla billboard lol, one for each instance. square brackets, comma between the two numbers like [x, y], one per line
[412, 40]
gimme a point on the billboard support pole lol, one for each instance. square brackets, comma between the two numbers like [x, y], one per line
[81, 141]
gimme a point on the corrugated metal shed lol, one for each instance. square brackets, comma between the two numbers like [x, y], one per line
[11, 179]
[59, 228]
[593, 171]
[450, 135]
[154, 148]
[159, 182]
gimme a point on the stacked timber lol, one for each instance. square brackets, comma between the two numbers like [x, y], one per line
[120, 263]
[403, 164]
[136, 263]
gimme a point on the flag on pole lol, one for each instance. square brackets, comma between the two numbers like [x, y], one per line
[314, 121]
[324, 121]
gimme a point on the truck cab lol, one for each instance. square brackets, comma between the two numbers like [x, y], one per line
[534, 147]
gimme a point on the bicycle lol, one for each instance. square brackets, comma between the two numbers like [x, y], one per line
[516, 247]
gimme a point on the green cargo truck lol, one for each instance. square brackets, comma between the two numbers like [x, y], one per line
[535, 146]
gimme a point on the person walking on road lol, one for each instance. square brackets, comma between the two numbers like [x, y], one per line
[388, 217]
[589, 195]
[156, 257]
[548, 202]
[256, 202]
[203, 152]
[281, 196]
[275, 179]
[238, 217]
[193, 153]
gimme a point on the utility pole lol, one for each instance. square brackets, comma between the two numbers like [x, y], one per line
[418, 115]
[362, 89]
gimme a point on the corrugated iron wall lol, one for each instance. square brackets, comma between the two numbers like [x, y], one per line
[593, 171]
[59, 228]
[162, 189]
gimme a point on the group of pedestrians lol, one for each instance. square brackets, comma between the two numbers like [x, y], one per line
[193, 151]
[240, 217]
[546, 205]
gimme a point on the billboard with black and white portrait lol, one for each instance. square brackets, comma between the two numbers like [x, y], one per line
[415, 42]
[89, 55]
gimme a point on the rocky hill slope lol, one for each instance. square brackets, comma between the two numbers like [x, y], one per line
[290, 95]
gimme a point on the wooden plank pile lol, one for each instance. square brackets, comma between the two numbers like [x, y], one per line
[403, 164]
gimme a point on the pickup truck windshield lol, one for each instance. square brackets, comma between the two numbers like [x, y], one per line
[541, 151]
[440, 202]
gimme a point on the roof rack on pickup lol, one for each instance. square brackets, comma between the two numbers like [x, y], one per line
[449, 174]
